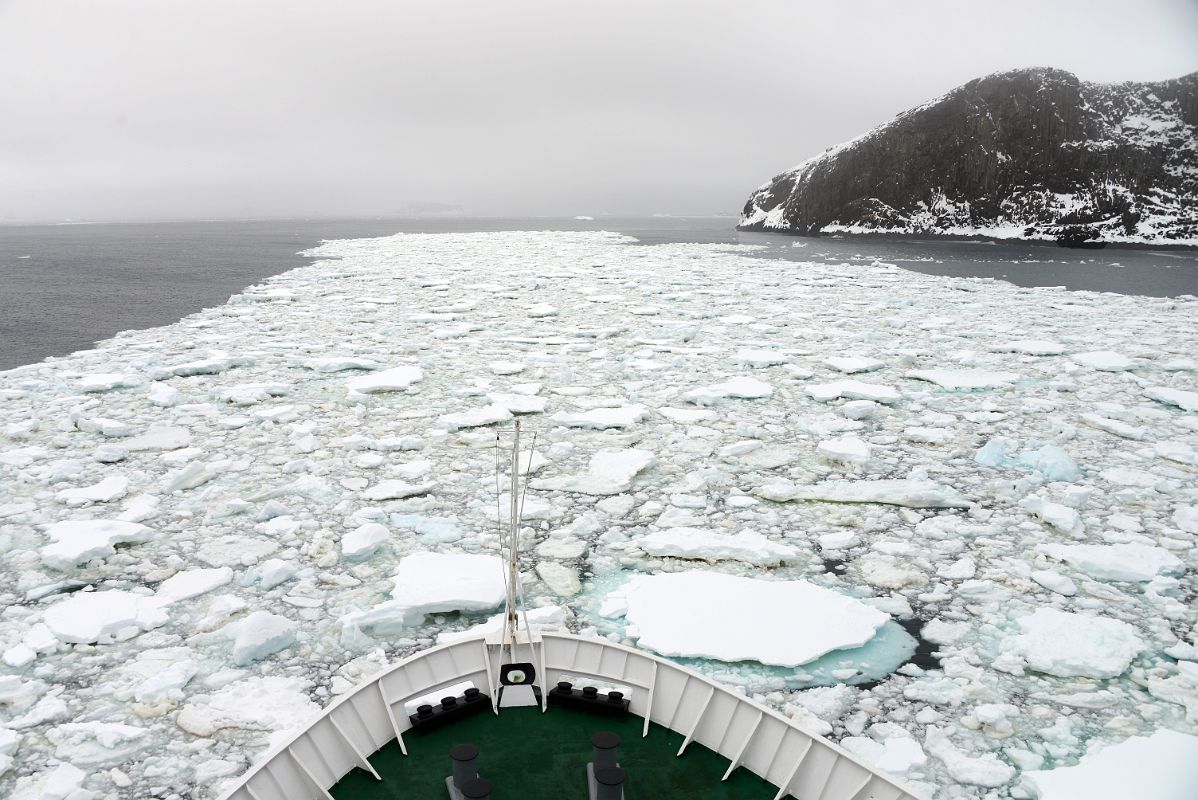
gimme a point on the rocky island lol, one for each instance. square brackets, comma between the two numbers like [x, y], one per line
[1027, 154]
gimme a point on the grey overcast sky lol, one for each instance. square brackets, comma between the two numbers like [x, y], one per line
[145, 109]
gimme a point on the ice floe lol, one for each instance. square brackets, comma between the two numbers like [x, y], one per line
[910, 492]
[396, 379]
[609, 472]
[104, 617]
[854, 390]
[1068, 645]
[78, 541]
[1159, 766]
[716, 606]
[748, 546]
[426, 582]
[964, 378]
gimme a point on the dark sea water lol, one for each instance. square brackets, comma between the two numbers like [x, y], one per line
[63, 287]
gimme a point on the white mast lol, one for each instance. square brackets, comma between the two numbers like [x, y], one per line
[512, 623]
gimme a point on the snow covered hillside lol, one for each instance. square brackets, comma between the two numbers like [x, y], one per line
[208, 530]
[1032, 153]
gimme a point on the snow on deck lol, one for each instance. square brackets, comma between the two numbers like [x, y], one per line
[207, 530]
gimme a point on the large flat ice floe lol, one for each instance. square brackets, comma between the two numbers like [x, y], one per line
[209, 530]
[1160, 766]
[706, 614]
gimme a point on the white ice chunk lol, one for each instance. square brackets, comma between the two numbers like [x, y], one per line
[519, 403]
[104, 617]
[163, 395]
[741, 387]
[64, 782]
[716, 607]
[1159, 766]
[169, 437]
[967, 379]
[911, 493]
[429, 582]
[1055, 582]
[1071, 645]
[1115, 562]
[192, 583]
[609, 472]
[105, 382]
[854, 390]
[364, 540]
[760, 358]
[984, 770]
[258, 635]
[896, 755]
[272, 704]
[853, 364]
[747, 546]
[601, 418]
[339, 363]
[78, 541]
[1104, 360]
[1187, 401]
[476, 417]
[97, 744]
[1113, 426]
[114, 487]
[397, 489]
[248, 394]
[849, 449]
[22, 456]
[1058, 516]
[507, 367]
[396, 379]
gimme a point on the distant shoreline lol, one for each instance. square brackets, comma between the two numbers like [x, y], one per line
[887, 236]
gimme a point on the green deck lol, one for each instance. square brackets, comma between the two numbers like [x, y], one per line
[528, 755]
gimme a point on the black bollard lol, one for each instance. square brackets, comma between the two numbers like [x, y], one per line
[465, 768]
[605, 750]
[610, 783]
[476, 789]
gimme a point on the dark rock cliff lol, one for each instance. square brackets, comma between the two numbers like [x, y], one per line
[1032, 153]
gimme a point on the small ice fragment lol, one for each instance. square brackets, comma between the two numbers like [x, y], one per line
[396, 379]
[364, 540]
[853, 364]
[966, 379]
[849, 449]
[258, 635]
[1104, 360]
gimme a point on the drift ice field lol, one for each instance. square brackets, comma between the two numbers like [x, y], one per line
[775, 471]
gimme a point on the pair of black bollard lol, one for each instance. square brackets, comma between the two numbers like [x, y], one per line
[465, 773]
[605, 766]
